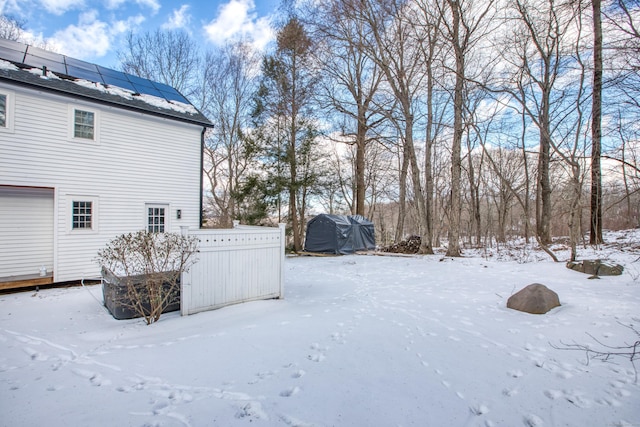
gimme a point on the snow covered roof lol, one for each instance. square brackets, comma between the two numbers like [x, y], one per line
[29, 65]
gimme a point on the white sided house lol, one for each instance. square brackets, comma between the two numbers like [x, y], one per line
[88, 153]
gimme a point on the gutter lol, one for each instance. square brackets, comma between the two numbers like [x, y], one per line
[204, 130]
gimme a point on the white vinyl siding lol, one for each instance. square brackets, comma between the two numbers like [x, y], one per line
[139, 159]
[26, 230]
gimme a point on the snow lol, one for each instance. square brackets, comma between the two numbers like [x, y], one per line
[357, 341]
[6, 65]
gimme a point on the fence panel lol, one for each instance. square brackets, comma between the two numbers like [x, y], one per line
[235, 265]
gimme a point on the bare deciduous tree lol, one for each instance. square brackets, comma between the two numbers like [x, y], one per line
[464, 25]
[351, 81]
[169, 57]
[230, 83]
[11, 28]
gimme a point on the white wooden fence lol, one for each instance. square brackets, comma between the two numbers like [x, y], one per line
[235, 265]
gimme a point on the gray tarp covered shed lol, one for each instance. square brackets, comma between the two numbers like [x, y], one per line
[339, 234]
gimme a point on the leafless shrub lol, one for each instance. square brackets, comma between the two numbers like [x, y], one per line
[148, 266]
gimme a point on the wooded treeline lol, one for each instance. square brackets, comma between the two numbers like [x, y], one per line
[465, 122]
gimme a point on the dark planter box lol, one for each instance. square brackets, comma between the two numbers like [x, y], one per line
[117, 301]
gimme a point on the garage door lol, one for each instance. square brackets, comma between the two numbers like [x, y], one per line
[26, 230]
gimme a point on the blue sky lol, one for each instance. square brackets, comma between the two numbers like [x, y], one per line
[94, 30]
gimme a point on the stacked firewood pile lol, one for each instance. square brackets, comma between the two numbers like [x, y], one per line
[409, 246]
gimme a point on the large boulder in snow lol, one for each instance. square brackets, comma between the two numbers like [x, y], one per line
[596, 267]
[534, 299]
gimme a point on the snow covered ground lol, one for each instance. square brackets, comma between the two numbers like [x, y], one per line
[357, 341]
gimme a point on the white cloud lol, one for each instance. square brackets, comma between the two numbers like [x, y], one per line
[58, 7]
[91, 38]
[154, 5]
[180, 18]
[238, 19]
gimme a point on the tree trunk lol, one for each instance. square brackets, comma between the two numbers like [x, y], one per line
[543, 202]
[426, 244]
[595, 235]
[574, 214]
[456, 166]
[415, 175]
[527, 181]
[403, 197]
[360, 165]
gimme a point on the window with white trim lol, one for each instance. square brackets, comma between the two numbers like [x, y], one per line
[157, 218]
[6, 111]
[82, 215]
[3, 110]
[84, 124]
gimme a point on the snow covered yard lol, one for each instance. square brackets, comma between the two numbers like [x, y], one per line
[357, 341]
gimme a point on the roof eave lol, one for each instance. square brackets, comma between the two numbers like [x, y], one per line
[114, 100]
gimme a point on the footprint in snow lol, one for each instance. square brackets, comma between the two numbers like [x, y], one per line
[319, 357]
[35, 355]
[533, 420]
[298, 374]
[260, 376]
[609, 401]
[573, 397]
[95, 378]
[290, 391]
[509, 392]
[516, 373]
[479, 409]
[252, 410]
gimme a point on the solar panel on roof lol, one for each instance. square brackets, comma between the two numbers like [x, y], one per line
[20, 53]
[77, 63]
[125, 84]
[147, 90]
[163, 87]
[174, 96]
[139, 81]
[93, 76]
[111, 72]
[41, 53]
[12, 45]
[39, 62]
[11, 55]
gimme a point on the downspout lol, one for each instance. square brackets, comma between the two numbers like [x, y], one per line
[204, 129]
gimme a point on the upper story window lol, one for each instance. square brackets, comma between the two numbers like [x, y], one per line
[84, 124]
[6, 111]
[3, 110]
